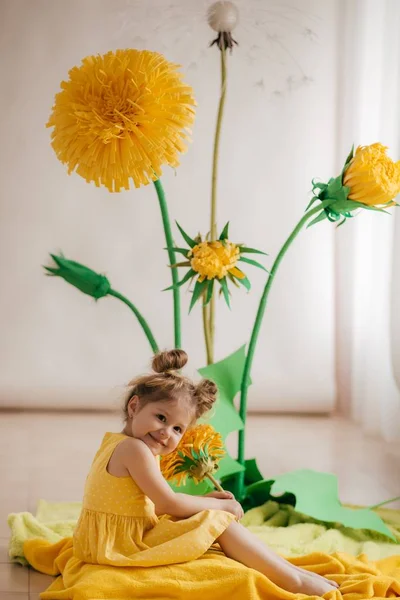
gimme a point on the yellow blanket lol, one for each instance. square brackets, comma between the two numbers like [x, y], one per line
[212, 576]
[280, 527]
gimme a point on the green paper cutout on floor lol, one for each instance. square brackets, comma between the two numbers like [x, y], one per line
[317, 496]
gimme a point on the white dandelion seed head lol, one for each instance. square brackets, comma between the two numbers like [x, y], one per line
[275, 39]
[223, 16]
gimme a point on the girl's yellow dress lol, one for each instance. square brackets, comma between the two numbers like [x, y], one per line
[118, 536]
[118, 525]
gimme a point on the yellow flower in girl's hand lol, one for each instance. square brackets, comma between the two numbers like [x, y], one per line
[210, 261]
[369, 180]
[121, 116]
[196, 456]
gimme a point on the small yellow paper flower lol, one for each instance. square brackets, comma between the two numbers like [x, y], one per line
[121, 116]
[373, 178]
[215, 259]
[210, 261]
[196, 456]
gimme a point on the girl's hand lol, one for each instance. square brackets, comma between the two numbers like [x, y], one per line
[221, 495]
[233, 507]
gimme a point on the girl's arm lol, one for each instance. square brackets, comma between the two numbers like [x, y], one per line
[139, 461]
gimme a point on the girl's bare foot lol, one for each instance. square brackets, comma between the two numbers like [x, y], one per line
[315, 585]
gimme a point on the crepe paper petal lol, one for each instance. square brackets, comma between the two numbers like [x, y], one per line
[225, 291]
[210, 289]
[198, 290]
[236, 272]
[323, 215]
[224, 233]
[184, 251]
[196, 457]
[317, 496]
[185, 236]
[188, 276]
[249, 261]
[244, 249]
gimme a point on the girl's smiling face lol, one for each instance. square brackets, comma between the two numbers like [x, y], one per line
[160, 425]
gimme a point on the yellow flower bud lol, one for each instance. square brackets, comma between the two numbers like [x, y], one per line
[373, 178]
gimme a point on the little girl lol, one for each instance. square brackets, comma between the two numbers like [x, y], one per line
[130, 515]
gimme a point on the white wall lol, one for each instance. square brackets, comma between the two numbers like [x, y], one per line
[56, 346]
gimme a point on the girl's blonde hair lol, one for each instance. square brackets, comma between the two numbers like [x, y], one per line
[167, 383]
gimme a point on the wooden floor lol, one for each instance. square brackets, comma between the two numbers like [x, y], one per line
[47, 455]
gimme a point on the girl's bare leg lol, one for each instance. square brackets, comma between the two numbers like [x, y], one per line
[239, 543]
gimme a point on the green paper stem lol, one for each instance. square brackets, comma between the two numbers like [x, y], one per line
[395, 499]
[206, 331]
[210, 312]
[256, 331]
[171, 257]
[215, 482]
[140, 318]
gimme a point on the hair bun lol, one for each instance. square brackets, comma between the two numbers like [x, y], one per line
[206, 394]
[171, 360]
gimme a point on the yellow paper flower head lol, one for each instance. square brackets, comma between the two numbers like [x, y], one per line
[197, 455]
[369, 180]
[210, 261]
[121, 116]
[215, 259]
[372, 177]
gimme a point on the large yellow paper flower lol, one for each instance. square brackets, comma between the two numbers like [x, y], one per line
[197, 455]
[373, 178]
[121, 116]
[215, 259]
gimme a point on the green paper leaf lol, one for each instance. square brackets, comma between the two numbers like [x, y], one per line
[249, 261]
[210, 289]
[244, 249]
[252, 473]
[322, 215]
[317, 496]
[188, 276]
[349, 158]
[245, 282]
[198, 290]
[185, 236]
[183, 251]
[185, 263]
[225, 290]
[309, 205]
[224, 233]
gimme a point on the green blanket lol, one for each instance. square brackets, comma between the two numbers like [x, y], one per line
[284, 530]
